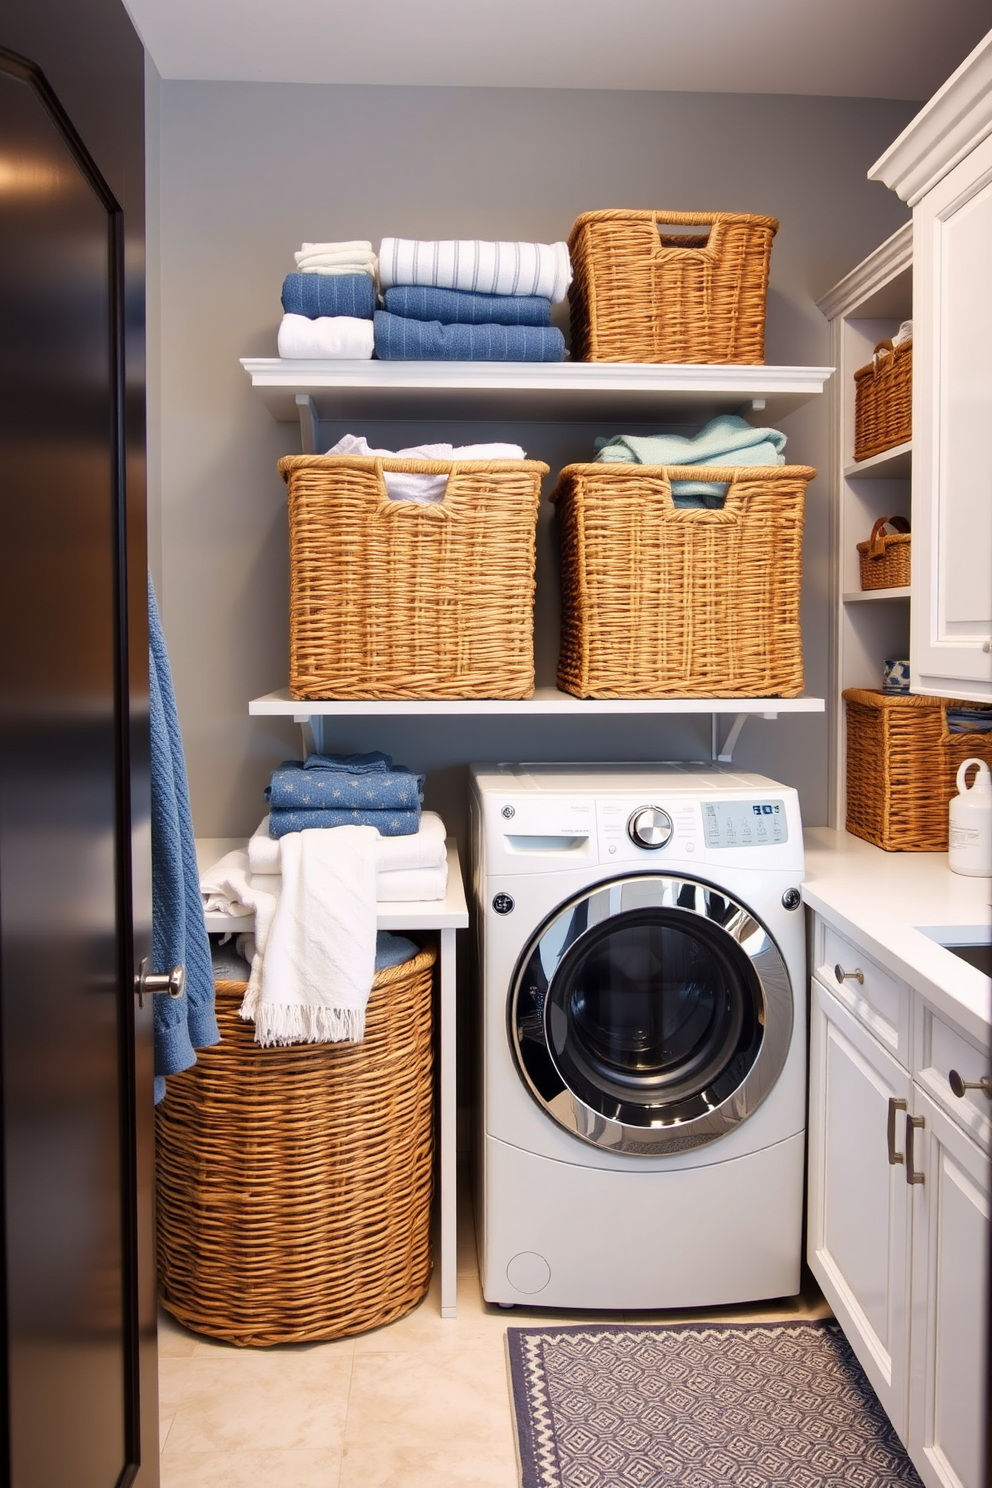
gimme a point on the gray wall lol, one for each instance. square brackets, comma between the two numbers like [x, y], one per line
[248, 171]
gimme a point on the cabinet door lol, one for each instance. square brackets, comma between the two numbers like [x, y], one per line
[948, 1387]
[858, 1246]
[952, 454]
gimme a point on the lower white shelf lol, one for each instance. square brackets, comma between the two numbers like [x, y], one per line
[545, 701]
[875, 596]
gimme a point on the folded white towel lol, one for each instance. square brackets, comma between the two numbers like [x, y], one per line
[411, 884]
[223, 884]
[543, 269]
[353, 246]
[318, 959]
[336, 337]
[423, 849]
[423, 488]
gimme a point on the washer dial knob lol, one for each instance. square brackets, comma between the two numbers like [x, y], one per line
[649, 826]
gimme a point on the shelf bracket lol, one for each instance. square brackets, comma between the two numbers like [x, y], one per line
[309, 423]
[724, 755]
[312, 731]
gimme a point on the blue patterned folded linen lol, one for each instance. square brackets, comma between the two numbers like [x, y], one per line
[393, 950]
[386, 823]
[461, 307]
[294, 787]
[373, 763]
[725, 440]
[399, 339]
[317, 295]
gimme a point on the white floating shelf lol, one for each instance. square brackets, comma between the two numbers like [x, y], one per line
[891, 464]
[573, 391]
[545, 701]
[876, 596]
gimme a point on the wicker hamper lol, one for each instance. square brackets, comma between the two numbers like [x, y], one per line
[396, 599]
[884, 559]
[639, 294]
[294, 1184]
[883, 400]
[901, 767]
[659, 601]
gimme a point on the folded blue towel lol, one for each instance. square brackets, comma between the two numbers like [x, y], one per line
[725, 440]
[460, 307]
[393, 950]
[388, 823]
[317, 295]
[350, 764]
[400, 339]
[179, 933]
[293, 787]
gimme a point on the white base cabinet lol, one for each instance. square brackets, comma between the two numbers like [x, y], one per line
[899, 1205]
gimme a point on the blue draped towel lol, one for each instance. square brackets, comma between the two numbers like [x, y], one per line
[725, 440]
[461, 307]
[297, 787]
[320, 295]
[179, 934]
[399, 339]
[397, 823]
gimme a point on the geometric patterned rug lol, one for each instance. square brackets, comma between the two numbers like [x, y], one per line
[740, 1405]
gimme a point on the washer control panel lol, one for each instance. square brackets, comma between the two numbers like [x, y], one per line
[745, 823]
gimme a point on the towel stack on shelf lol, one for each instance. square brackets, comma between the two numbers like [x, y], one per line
[329, 302]
[357, 790]
[470, 301]
[406, 868]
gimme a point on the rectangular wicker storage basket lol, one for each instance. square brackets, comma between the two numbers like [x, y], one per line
[294, 1184]
[901, 766]
[639, 294]
[883, 400]
[884, 559]
[660, 601]
[397, 599]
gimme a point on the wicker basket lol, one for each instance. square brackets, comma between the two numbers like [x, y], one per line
[901, 767]
[641, 295]
[294, 1184]
[883, 400]
[394, 599]
[884, 558]
[659, 601]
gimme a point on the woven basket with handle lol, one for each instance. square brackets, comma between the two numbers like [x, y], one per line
[884, 559]
[294, 1184]
[641, 294]
[883, 400]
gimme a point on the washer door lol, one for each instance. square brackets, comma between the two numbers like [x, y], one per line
[651, 1014]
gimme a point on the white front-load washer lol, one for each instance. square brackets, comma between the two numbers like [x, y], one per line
[642, 961]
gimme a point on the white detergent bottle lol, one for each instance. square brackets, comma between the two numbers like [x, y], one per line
[970, 836]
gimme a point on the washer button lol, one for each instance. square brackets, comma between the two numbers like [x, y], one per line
[503, 903]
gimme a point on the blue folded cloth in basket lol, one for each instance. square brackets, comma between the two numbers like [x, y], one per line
[399, 339]
[461, 307]
[725, 440]
[296, 787]
[388, 823]
[320, 295]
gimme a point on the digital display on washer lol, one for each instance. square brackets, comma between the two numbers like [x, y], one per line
[744, 823]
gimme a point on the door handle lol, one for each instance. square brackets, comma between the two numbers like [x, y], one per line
[913, 1124]
[168, 983]
[894, 1105]
[959, 1085]
[857, 975]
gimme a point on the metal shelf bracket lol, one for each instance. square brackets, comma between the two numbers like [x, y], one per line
[724, 755]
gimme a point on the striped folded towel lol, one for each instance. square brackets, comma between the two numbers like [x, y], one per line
[543, 269]
[399, 339]
[329, 295]
[460, 307]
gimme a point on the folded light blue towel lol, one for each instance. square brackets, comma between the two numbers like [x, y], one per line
[400, 339]
[725, 440]
[388, 823]
[374, 763]
[393, 950]
[317, 295]
[460, 307]
[294, 787]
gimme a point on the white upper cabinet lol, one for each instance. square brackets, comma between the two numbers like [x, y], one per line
[942, 166]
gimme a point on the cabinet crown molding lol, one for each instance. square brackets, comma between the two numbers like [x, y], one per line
[889, 259]
[955, 120]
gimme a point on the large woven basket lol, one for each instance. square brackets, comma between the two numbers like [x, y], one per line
[640, 294]
[883, 400]
[659, 601]
[396, 599]
[901, 766]
[294, 1185]
[884, 558]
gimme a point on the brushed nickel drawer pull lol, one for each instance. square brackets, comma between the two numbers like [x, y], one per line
[894, 1105]
[856, 975]
[959, 1086]
[913, 1123]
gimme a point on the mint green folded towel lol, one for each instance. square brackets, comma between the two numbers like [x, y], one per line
[725, 440]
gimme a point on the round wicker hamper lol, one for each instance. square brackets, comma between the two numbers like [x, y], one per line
[294, 1184]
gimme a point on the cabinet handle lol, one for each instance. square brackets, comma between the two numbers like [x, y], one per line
[913, 1123]
[856, 975]
[959, 1086]
[894, 1105]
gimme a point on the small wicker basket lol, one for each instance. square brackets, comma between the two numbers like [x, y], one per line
[884, 559]
[902, 761]
[294, 1184]
[396, 599]
[883, 400]
[639, 294]
[660, 601]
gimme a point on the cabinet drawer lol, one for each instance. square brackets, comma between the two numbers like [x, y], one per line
[876, 998]
[940, 1048]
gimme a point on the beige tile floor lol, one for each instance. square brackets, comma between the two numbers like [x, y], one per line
[417, 1404]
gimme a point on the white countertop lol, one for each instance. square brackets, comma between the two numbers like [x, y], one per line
[883, 898]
